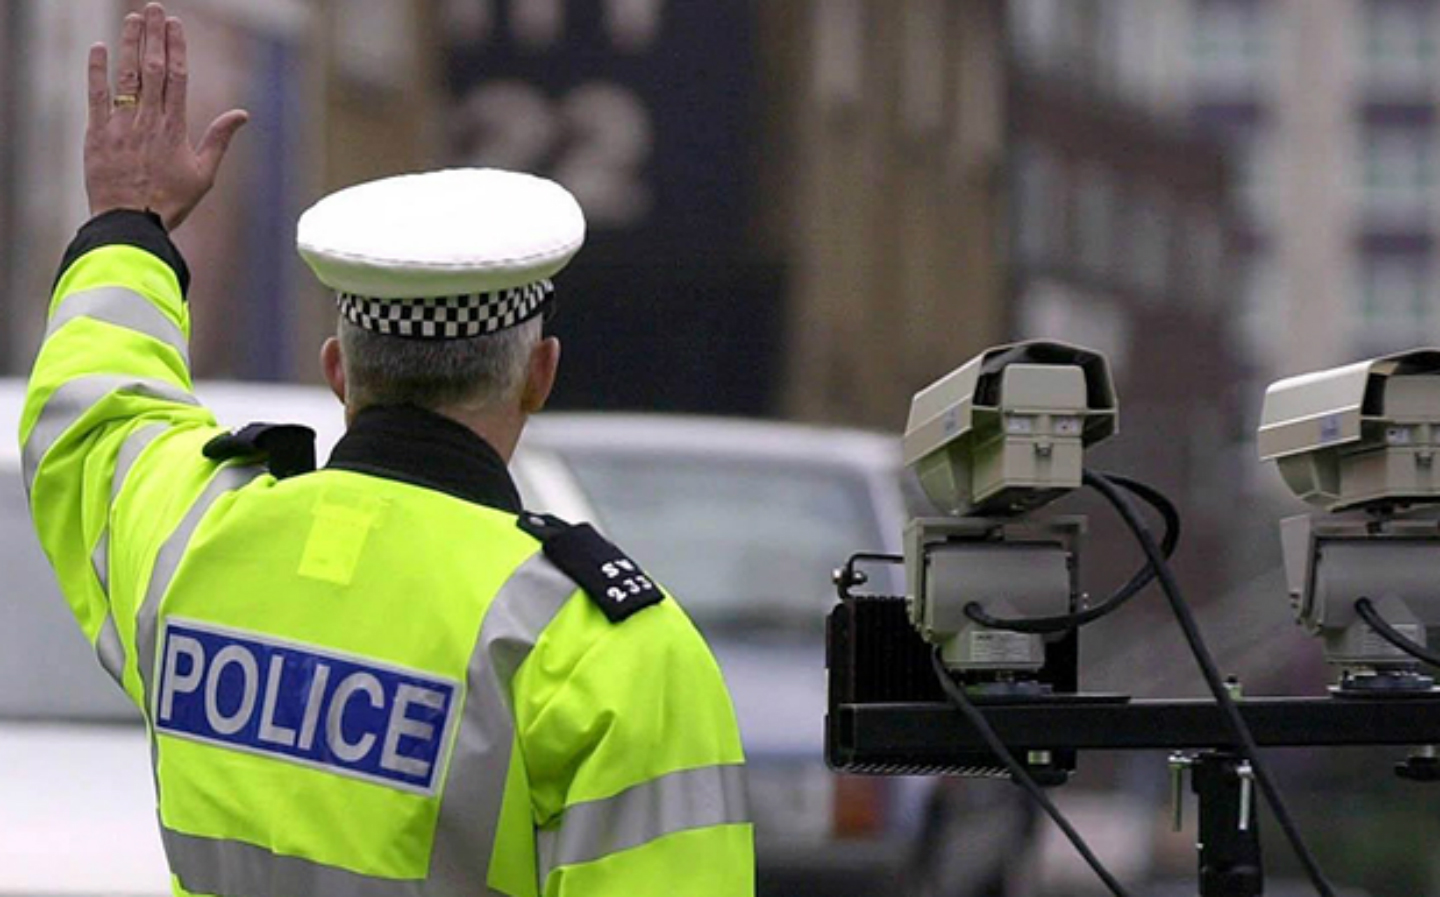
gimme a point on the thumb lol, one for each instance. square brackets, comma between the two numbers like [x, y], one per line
[217, 139]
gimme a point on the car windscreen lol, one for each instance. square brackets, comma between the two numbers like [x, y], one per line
[47, 669]
[741, 542]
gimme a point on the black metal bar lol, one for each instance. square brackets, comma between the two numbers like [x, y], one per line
[921, 733]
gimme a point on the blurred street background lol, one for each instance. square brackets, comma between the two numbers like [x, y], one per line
[806, 210]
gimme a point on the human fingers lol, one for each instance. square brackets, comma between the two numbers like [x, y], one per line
[127, 72]
[177, 74]
[216, 141]
[152, 61]
[98, 86]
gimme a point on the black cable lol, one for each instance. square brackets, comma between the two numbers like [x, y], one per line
[1141, 579]
[1389, 633]
[1017, 772]
[1249, 748]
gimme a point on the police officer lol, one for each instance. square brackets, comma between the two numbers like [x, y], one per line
[383, 677]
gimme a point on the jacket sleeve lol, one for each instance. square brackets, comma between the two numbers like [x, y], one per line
[633, 757]
[109, 404]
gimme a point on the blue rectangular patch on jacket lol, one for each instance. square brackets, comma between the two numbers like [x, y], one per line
[339, 712]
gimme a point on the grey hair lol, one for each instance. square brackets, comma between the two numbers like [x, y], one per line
[477, 372]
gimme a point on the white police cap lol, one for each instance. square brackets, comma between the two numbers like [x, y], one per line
[444, 254]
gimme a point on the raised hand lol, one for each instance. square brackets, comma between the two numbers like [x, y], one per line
[137, 147]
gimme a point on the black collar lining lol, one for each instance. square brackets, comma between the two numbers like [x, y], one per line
[412, 445]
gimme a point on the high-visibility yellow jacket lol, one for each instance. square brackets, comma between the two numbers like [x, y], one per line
[367, 679]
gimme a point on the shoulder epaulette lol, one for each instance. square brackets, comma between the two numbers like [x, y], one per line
[608, 575]
[286, 449]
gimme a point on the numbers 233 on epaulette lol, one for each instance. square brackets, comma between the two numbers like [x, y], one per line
[611, 579]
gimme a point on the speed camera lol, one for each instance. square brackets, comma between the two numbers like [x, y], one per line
[1005, 432]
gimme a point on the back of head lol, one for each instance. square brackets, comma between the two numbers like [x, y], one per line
[476, 373]
[442, 280]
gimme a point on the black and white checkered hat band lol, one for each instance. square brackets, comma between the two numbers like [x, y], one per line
[446, 317]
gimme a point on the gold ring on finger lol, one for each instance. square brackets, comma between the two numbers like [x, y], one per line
[124, 100]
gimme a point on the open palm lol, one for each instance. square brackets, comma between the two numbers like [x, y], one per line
[137, 146]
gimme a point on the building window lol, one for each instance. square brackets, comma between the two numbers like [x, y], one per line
[1151, 225]
[839, 56]
[375, 44]
[1133, 32]
[1203, 255]
[1262, 301]
[1252, 154]
[1399, 44]
[1230, 44]
[922, 94]
[1059, 310]
[1096, 206]
[1394, 300]
[1037, 32]
[1039, 200]
[1397, 173]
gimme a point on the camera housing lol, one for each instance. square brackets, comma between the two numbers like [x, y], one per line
[1360, 435]
[998, 437]
[1359, 442]
[1005, 432]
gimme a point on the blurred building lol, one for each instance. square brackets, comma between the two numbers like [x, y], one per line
[886, 170]
[648, 111]
[9, 125]
[1118, 229]
[257, 55]
[339, 91]
[948, 191]
[40, 114]
[810, 208]
[1332, 107]
[1326, 110]
[1329, 109]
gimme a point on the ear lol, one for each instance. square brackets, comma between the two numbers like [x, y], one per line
[332, 362]
[540, 377]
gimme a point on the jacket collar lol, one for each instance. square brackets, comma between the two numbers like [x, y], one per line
[416, 446]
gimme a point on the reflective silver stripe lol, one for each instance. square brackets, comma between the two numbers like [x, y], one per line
[109, 649]
[167, 561]
[70, 402]
[107, 641]
[475, 781]
[677, 802]
[129, 453]
[100, 560]
[123, 308]
[237, 869]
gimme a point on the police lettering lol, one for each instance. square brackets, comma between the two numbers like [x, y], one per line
[347, 714]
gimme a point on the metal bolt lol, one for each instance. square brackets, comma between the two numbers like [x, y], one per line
[1247, 790]
[1178, 764]
[1233, 687]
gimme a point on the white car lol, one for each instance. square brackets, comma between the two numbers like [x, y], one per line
[743, 521]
